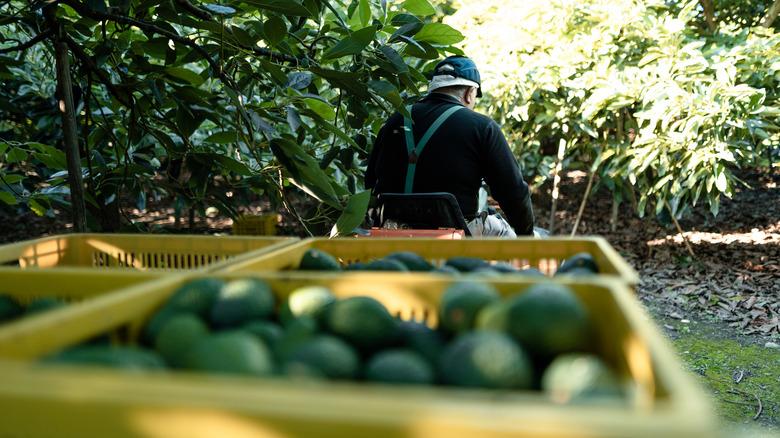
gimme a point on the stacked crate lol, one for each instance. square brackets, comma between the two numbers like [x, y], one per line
[661, 399]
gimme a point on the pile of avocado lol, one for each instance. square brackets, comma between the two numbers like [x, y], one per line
[535, 339]
[315, 259]
[12, 309]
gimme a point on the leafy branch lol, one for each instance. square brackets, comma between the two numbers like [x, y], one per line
[121, 19]
[27, 44]
[206, 16]
[87, 61]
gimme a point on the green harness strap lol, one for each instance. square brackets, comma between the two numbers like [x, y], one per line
[414, 151]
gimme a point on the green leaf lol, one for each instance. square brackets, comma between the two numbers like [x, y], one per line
[97, 5]
[419, 7]
[49, 161]
[339, 133]
[419, 49]
[54, 158]
[721, 182]
[259, 124]
[11, 178]
[364, 11]
[714, 202]
[275, 30]
[387, 91]
[410, 83]
[395, 59]
[187, 122]
[210, 26]
[7, 198]
[347, 81]
[340, 19]
[276, 73]
[588, 130]
[184, 75]
[279, 147]
[323, 109]
[223, 137]
[243, 37]
[305, 171]
[293, 118]
[353, 215]
[439, 33]
[313, 6]
[232, 165]
[407, 30]
[287, 7]
[352, 44]
[37, 207]
[156, 48]
[298, 80]
[166, 12]
[688, 12]
[8, 61]
[650, 57]
[768, 111]
[402, 19]
[219, 9]
[16, 155]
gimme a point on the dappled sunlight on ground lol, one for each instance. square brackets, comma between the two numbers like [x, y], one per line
[755, 236]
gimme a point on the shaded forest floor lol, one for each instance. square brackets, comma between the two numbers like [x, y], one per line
[719, 306]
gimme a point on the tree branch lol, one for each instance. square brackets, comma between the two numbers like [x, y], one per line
[709, 14]
[26, 45]
[268, 53]
[82, 56]
[582, 205]
[100, 16]
[771, 14]
[196, 11]
[206, 16]
[67, 110]
[760, 405]
[679, 230]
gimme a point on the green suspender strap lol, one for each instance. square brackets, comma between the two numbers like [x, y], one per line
[415, 151]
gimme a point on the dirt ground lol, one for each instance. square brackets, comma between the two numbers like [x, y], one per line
[732, 270]
[713, 291]
[719, 280]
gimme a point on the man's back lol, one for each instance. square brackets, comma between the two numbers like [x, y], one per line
[467, 148]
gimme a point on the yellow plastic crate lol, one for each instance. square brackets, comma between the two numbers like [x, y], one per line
[72, 285]
[544, 254]
[254, 225]
[139, 251]
[662, 400]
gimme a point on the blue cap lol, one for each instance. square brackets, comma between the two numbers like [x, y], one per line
[456, 70]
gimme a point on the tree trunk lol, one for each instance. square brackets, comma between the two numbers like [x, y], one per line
[556, 182]
[709, 14]
[771, 14]
[69, 130]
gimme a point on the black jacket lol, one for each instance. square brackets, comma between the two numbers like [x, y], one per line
[467, 148]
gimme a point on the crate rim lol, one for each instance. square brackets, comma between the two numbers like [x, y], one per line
[627, 272]
[16, 250]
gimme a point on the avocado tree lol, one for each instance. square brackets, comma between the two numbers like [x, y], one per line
[744, 13]
[630, 91]
[218, 99]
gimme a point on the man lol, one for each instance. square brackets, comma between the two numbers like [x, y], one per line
[447, 147]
